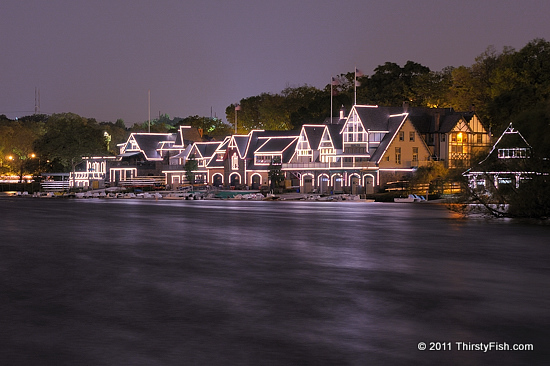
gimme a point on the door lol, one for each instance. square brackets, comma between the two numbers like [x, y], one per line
[369, 184]
[308, 186]
[256, 182]
[217, 180]
[234, 180]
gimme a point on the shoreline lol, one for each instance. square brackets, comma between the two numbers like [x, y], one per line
[199, 195]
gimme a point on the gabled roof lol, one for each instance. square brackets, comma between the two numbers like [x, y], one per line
[394, 125]
[448, 122]
[207, 149]
[373, 118]
[271, 142]
[314, 133]
[187, 135]
[275, 145]
[222, 148]
[510, 139]
[425, 119]
[334, 131]
[148, 143]
[241, 141]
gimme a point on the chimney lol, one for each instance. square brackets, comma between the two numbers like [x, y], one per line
[342, 112]
[472, 107]
[437, 117]
[405, 106]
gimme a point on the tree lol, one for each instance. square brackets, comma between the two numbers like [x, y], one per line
[16, 148]
[68, 138]
[391, 84]
[434, 175]
[191, 165]
[117, 133]
[275, 174]
[521, 81]
[289, 109]
[211, 127]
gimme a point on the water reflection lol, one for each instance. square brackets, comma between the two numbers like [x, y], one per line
[280, 283]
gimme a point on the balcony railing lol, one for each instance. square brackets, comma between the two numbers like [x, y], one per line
[330, 165]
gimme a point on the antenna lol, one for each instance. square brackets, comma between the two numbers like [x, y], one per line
[36, 100]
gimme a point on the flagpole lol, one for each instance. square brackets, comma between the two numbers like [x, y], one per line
[355, 86]
[331, 82]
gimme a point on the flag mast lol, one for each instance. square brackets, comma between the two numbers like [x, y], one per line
[358, 73]
[333, 81]
[331, 93]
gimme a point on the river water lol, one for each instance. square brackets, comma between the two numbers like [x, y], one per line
[136, 282]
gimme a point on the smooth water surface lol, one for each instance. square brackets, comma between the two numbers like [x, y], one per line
[136, 282]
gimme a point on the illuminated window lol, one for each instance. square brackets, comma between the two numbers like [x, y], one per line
[415, 154]
[234, 161]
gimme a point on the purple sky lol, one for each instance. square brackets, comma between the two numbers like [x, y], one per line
[99, 58]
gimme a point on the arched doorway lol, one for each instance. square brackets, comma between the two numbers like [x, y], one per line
[354, 183]
[217, 180]
[323, 184]
[256, 181]
[337, 184]
[308, 184]
[369, 184]
[234, 180]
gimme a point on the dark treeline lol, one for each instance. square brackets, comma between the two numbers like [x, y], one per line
[56, 143]
[504, 86]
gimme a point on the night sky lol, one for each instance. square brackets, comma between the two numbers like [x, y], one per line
[100, 58]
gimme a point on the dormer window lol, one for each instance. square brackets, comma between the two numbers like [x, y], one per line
[355, 132]
[513, 153]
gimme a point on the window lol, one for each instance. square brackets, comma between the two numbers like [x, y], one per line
[234, 161]
[402, 136]
[514, 153]
[457, 149]
[479, 138]
[398, 155]
[376, 137]
[415, 154]
[411, 136]
[442, 137]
